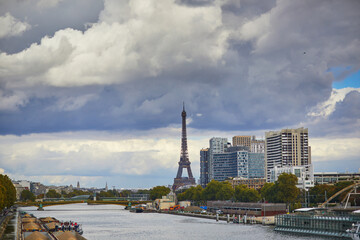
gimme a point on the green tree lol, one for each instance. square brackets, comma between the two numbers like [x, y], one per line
[52, 194]
[287, 192]
[319, 191]
[211, 190]
[125, 193]
[268, 191]
[191, 194]
[76, 192]
[226, 192]
[40, 196]
[26, 195]
[244, 194]
[109, 193]
[143, 191]
[7, 192]
[158, 192]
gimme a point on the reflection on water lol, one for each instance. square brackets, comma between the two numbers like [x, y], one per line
[101, 222]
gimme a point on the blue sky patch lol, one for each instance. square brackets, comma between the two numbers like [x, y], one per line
[352, 80]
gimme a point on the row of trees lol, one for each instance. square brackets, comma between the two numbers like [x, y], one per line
[156, 192]
[282, 191]
[7, 192]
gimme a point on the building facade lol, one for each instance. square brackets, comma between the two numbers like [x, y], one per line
[228, 165]
[305, 175]
[256, 165]
[257, 146]
[238, 162]
[288, 147]
[335, 177]
[242, 141]
[255, 183]
[217, 145]
[204, 167]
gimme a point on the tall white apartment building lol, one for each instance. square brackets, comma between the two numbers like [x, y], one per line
[288, 147]
[217, 145]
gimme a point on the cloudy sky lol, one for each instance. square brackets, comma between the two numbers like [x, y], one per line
[92, 90]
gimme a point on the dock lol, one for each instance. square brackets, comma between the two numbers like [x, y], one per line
[329, 226]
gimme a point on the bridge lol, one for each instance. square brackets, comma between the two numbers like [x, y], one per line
[352, 187]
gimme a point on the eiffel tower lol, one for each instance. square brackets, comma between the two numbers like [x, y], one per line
[184, 159]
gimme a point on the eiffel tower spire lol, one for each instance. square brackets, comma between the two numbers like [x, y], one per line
[184, 158]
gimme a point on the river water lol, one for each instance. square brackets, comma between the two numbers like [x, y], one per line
[106, 222]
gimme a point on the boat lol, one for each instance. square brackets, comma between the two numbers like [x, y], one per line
[354, 232]
[137, 209]
[71, 226]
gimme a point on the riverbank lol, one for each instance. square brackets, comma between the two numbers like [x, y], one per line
[45, 204]
[270, 220]
[4, 223]
[108, 221]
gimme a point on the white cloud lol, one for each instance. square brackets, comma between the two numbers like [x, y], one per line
[92, 155]
[11, 26]
[151, 41]
[11, 101]
[324, 109]
[335, 149]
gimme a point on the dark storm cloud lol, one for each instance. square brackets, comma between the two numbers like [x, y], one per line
[195, 2]
[344, 121]
[239, 65]
[349, 108]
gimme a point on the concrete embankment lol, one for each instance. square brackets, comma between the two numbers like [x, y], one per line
[4, 222]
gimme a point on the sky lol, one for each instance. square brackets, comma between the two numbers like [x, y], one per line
[92, 90]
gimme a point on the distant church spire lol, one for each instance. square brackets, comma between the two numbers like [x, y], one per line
[78, 185]
[106, 187]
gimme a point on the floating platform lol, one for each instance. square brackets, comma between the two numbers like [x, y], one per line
[330, 226]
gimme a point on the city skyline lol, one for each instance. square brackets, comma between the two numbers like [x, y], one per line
[91, 91]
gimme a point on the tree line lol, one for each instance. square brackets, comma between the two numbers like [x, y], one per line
[284, 190]
[154, 193]
[7, 192]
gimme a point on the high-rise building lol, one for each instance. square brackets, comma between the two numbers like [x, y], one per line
[230, 164]
[238, 162]
[217, 145]
[288, 147]
[204, 167]
[257, 146]
[256, 165]
[242, 141]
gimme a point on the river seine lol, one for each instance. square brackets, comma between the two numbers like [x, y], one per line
[107, 222]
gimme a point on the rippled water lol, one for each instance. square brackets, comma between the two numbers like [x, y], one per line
[102, 222]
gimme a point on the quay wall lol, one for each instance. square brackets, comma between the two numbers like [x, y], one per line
[4, 224]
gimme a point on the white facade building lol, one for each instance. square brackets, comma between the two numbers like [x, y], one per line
[258, 146]
[305, 175]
